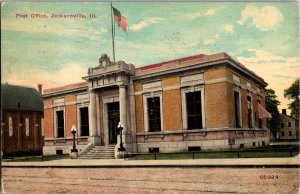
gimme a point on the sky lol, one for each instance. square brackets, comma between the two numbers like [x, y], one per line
[58, 51]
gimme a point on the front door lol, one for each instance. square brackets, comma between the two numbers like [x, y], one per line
[113, 120]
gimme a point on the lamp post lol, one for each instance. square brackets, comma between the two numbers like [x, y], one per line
[74, 151]
[120, 128]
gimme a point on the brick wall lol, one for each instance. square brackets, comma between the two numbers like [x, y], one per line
[48, 119]
[172, 110]
[70, 114]
[139, 113]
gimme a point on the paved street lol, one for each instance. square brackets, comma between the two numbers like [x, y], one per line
[151, 180]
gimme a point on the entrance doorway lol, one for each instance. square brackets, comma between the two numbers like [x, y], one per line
[113, 113]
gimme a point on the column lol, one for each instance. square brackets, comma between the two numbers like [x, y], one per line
[92, 114]
[123, 109]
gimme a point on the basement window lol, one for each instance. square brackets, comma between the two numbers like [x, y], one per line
[194, 149]
[153, 150]
[59, 152]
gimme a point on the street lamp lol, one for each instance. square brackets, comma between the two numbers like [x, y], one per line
[73, 130]
[120, 128]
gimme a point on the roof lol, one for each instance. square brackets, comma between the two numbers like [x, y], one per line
[165, 67]
[20, 98]
[194, 60]
[65, 89]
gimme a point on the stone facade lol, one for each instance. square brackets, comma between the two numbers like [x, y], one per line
[153, 104]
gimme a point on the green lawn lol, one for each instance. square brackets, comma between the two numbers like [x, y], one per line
[267, 152]
[34, 158]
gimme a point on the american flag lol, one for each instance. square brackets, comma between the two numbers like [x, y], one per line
[120, 19]
[262, 112]
[123, 23]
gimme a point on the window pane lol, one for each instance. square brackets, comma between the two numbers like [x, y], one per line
[194, 114]
[249, 111]
[84, 119]
[27, 126]
[60, 124]
[237, 108]
[10, 126]
[154, 114]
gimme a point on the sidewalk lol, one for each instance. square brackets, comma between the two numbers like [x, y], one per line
[120, 163]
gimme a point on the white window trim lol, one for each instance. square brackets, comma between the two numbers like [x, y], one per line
[184, 91]
[61, 108]
[81, 105]
[240, 101]
[145, 104]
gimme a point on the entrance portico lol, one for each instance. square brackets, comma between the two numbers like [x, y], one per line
[108, 75]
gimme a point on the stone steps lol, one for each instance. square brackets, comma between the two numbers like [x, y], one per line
[99, 152]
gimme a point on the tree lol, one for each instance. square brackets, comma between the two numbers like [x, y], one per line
[292, 93]
[272, 107]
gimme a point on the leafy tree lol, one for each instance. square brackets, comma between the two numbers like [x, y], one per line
[292, 93]
[272, 107]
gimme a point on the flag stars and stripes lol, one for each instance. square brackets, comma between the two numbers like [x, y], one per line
[120, 19]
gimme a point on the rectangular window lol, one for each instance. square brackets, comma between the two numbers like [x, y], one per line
[282, 133]
[237, 109]
[249, 111]
[154, 114]
[282, 125]
[290, 133]
[84, 121]
[27, 126]
[60, 123]
[10, 126]
[194, 116]
[289, 124]
[259, 119]
[42, 127]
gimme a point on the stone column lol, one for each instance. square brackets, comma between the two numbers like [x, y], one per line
[92, 119]
[123, 108]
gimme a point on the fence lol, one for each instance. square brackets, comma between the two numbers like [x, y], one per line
[241, 153]
[33, 158]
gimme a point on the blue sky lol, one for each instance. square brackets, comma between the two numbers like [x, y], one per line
[54, 52]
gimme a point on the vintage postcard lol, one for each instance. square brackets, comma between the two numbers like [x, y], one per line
[150, 97]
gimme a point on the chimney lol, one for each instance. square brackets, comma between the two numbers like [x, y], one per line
[284, 111]
[40, 88]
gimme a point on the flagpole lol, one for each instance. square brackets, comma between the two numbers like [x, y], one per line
[112, 31]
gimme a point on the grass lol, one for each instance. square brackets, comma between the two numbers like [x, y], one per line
[267, 152]
[34, 158]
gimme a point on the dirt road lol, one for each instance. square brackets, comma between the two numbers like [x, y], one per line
[151, 180]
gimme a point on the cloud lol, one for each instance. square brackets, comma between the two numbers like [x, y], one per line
[265, 18]
[211, 40]
[144, 23]
[277, 70]
[70, 73]
[228, 28]
[209, 12]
